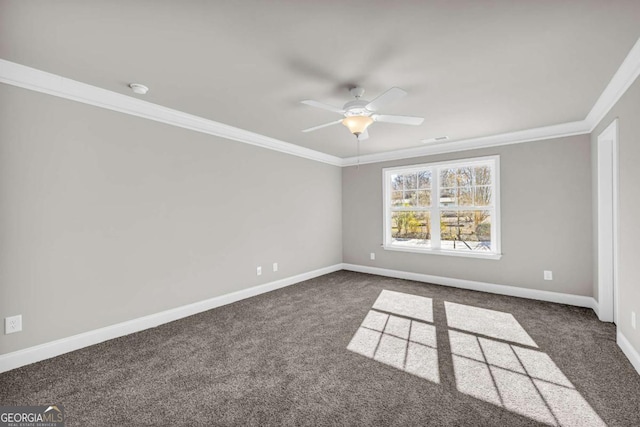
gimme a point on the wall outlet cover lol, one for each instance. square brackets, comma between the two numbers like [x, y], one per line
[259, 271]
[13, 324]
[548, 275]
[275, 266]
[373, 255]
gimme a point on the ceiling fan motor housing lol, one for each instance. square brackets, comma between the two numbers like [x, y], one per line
[356, 108]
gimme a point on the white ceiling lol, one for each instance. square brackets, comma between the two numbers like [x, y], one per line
[471, 68]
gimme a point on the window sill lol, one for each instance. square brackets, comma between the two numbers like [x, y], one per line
[491, 255]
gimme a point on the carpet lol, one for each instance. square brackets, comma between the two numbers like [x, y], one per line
[349, 349]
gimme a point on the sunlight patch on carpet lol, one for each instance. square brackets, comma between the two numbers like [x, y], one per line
[407, 305]
[494, 324]
[394, 332]
[492, 356]
[405, 344]
[521, 380]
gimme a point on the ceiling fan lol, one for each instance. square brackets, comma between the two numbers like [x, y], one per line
[359, 113]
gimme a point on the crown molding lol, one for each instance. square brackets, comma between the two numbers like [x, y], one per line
[52, 84]
[536, 134]
[41, 81]
[624, 77]
[627, 73]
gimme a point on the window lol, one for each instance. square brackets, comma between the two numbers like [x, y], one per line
[448, 208]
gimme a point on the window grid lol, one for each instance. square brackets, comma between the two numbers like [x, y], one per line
[479, 201]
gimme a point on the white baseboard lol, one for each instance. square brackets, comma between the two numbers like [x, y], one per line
[44, 351]
[628, 351]
[577, 300]
[595, 306]
[51, 349]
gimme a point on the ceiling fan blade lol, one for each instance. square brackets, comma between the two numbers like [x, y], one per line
[400, 120]
[388, 97]
[322, 126]
[323, 106]
[364, 135]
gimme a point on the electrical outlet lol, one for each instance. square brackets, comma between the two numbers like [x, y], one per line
[548, 275]
[275, 266]
[373, 255]
[259, 271]
[13, 324]
[633, 319]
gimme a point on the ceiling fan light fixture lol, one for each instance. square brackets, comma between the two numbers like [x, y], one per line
[359, 114]
[357, 124]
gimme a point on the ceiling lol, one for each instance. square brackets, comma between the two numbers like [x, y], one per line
[471, 68]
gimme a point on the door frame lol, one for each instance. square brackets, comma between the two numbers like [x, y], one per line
[607, 227]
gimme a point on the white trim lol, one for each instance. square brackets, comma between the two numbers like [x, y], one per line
[595, 307]
[627, 73]
[607, 196]
[537, 134]
[628, 350]
[577, 300]
[44, 351]
[624, 77]
[41, 81]
[429, 251]
[616, 224]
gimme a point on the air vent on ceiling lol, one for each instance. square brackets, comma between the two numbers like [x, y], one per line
[436, 139]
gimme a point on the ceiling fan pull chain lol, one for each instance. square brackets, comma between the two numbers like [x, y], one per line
[358, 153]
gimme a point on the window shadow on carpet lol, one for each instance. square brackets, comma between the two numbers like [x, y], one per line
[494, 358]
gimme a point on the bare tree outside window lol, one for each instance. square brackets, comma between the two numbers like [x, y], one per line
[463, 205]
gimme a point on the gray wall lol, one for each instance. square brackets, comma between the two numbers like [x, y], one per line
[106, 217]
[627, 110]
[546, 219]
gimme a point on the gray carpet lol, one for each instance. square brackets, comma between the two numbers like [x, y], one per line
[282, 359]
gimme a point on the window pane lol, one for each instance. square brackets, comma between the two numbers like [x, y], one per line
[465, 196]
[424, 180]
[410, 181]
[396, 198]
[465, 230]
[397, 182]
[424, 198]
[448, 197]
[483, 196]
[464, 176]
[410, 199]
[482, 175]
[411, 229]
[448, 178]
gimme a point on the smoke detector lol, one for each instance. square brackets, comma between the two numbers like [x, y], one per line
[138, 88]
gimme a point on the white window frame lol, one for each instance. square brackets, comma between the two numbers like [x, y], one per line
[495, 252]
